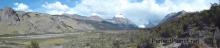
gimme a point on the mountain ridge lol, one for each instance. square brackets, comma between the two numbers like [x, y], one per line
[33, 22]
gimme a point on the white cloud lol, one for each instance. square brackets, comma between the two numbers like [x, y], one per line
[57, 8]
[141, 26]
[140, 12]
[21, 7]
[95, 14]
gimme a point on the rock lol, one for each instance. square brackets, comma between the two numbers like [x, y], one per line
[9, 15]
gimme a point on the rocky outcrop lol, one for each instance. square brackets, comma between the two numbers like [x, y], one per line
[19, 22]
[9, 15]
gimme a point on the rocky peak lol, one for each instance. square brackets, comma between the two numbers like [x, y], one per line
[7, 11]
[9, 15]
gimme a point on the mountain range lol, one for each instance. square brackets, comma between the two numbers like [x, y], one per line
[202, 26]
[32, 22]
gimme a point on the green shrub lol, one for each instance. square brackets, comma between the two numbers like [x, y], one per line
[34, 44]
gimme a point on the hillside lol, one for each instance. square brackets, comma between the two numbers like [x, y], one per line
[19, 22]
[203, 26]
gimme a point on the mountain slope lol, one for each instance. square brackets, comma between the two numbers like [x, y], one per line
[30, 22]
[173, 17]
[203, 25]
[19, 22]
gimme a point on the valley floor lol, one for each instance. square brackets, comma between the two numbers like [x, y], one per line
[72, 40]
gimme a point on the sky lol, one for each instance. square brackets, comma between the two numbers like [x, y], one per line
[140, 12]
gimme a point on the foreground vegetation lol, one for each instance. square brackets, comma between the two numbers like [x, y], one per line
[203, 25]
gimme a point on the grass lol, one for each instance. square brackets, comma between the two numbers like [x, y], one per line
[93, 40]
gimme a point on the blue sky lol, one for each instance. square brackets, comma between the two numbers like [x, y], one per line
[141, 12]
[33, 4]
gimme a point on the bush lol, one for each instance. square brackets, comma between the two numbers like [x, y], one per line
[34, 44]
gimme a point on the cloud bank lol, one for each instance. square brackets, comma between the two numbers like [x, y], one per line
[57, 8]
[22, 7]
[141, 12]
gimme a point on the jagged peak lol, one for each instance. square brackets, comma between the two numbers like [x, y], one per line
[8, 11]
